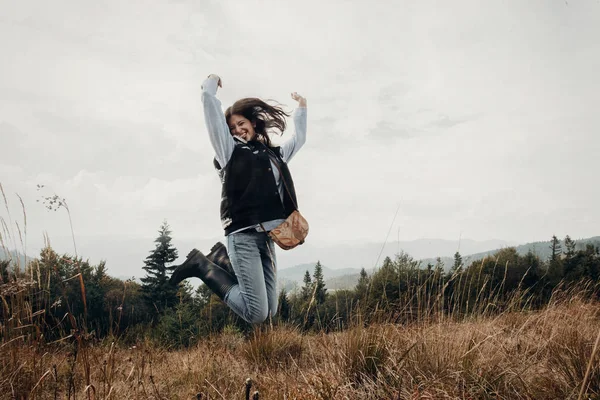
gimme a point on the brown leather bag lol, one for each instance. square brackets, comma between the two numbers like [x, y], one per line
[291, 232]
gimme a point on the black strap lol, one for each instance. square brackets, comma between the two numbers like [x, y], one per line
[277, 158]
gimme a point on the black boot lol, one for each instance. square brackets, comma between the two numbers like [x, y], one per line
[218, 255]
[197, 265]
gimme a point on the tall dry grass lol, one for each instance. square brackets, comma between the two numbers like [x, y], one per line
[544, 354]
[482, 347]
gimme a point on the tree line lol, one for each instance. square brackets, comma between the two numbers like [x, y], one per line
[64, 295]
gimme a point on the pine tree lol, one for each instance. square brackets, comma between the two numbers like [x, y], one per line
[569, 262]
[532, 264]
[284, 306]
[319, 282]
[384, 283]
[362, 286]
[202, 295]
[159, 294]
[363, 282]
[439, 266]
[100, 271]
[458, 262]
[307, 289]
[556, 248]
[555, 270]
[570, 245]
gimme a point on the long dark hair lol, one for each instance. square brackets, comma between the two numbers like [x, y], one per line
[267, 118]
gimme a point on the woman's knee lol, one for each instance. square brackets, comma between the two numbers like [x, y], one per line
[258, 316]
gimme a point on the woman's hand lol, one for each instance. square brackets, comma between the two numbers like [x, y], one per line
[214, 76]
[301, 100]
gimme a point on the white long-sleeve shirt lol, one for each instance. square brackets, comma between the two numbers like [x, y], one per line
[224, 144]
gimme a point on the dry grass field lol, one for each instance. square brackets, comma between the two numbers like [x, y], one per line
[500, 348]
[546, 354]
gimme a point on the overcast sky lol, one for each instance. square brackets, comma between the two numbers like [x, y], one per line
[475, 118]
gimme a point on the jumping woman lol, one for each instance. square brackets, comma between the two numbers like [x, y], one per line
[257, 195]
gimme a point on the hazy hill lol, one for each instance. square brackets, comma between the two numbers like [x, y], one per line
[341, 263]
[367, 254]
[334, 278]
[125, 256]
[297, 272]
[347, 278]
[15, 256]
[542, 249]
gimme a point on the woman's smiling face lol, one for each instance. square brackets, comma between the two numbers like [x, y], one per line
[241, 127]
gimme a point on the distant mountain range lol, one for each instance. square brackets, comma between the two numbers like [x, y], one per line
[370, 254]
[347, 278]
[341, 263]
[542, 249]
[293, 277]
[125, 256]
[16, 257]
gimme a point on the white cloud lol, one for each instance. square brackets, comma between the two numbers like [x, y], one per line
[474, 117]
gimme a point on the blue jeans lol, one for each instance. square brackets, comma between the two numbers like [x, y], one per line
[252, 256]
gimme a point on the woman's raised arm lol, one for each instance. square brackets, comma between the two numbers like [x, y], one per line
[291, 146]
[218, 131]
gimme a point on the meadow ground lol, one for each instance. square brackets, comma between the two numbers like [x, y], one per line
[547, 354]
